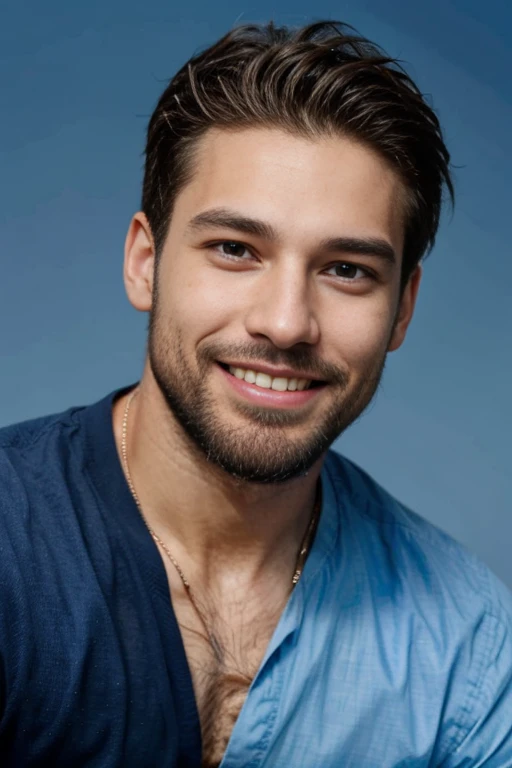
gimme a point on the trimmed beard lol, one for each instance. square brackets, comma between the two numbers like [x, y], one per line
[260, 451]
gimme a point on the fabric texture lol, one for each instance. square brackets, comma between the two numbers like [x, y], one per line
[393, 651]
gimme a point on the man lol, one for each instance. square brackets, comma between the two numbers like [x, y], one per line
[189, 576]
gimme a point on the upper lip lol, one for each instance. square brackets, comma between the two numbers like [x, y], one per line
[275, 373]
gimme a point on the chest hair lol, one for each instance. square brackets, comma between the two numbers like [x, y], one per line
[222, 674]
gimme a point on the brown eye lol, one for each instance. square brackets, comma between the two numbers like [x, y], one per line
[346, 270]
[233, 249]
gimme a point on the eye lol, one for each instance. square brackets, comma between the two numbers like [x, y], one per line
[231, 249]
[350, 272]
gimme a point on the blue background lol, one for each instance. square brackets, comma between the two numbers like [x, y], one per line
[78, 82]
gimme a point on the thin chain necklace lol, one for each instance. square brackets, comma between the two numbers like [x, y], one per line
[301, 558]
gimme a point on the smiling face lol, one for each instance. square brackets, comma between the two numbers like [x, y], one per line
[276, 297]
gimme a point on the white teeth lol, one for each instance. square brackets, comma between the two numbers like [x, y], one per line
[263, 380]
[278, 384]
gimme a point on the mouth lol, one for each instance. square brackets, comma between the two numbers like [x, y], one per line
[277, 383]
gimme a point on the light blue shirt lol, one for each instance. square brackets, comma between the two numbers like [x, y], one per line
[394, 651]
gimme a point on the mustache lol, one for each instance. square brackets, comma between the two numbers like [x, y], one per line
[299, 358]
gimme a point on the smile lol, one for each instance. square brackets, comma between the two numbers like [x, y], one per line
[260, 387]
[263, 380]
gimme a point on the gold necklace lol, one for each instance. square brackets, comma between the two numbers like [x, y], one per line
[301, 557]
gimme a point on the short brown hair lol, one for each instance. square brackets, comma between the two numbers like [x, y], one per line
[320, 79]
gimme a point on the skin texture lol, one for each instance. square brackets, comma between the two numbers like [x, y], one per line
[226, 478]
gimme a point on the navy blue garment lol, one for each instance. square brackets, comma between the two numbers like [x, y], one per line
[394, 649]
[93, 671]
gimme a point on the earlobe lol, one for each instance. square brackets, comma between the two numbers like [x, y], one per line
[405, 310]
[139, 263]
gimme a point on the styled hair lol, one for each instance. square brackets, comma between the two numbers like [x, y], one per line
[322, 79]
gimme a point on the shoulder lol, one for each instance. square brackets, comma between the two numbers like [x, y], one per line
[413, 550]
[32, 472]
[32, 437]
[42, 477]
[31, 452]
[457, 615]
[35, 460]
[25, 434]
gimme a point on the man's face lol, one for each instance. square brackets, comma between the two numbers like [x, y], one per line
[280, 271]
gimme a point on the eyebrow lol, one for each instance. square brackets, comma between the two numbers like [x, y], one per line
[228, 219]
[361, 246]
[222, 217]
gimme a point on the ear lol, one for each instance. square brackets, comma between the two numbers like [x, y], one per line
[405, 309]
[139, 263]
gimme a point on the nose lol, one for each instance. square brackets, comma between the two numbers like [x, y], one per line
[281, 307]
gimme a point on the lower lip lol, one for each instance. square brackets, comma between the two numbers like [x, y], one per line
[269, 397]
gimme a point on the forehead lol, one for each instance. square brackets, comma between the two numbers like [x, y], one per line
[305, 188]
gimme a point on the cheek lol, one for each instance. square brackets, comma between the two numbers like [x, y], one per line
[198, 302]
[359, 334]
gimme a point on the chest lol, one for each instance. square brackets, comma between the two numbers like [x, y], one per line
[224, 649]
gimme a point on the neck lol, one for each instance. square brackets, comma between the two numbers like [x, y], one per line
[211, 521]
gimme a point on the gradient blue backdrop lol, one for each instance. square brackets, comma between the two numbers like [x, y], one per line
[78, 81]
